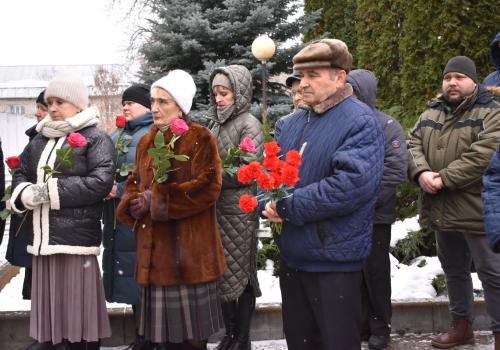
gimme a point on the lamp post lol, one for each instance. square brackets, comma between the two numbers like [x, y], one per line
[263, 49]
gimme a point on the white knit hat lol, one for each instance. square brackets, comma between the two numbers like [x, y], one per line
[180, 85]
[68, 88]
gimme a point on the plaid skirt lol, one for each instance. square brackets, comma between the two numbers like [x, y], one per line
[178, 313]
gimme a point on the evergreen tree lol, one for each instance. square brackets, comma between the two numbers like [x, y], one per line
[407, 43]
[378, 26]
[337, 20]
[432, 34]
[200, 36]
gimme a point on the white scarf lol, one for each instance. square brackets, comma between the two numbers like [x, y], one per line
[52, 128]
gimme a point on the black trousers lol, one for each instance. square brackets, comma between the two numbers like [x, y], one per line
[27, 283]
[321, 310]
[376, 287]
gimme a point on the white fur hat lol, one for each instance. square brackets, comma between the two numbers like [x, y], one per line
[180, 85]
[68, 88]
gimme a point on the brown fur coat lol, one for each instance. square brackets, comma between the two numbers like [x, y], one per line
[178, 241]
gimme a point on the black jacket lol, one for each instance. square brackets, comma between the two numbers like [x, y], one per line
[31, 132]
[2, 191]
[493, 79]
[17, 254]
[364, 84]
[71, 222]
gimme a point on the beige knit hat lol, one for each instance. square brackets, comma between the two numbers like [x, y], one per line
[324, 53]
[69, 88]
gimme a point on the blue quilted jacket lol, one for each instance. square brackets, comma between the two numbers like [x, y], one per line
[118, 260]
[491, 200]
[328, 218]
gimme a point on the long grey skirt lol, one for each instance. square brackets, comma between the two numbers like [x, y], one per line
[67, 299]
[178, 313]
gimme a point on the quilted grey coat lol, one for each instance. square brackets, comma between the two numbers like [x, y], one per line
[238, 230]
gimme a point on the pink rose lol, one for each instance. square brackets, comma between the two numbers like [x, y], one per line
[179, 127]
[76, 140]
[246, 145]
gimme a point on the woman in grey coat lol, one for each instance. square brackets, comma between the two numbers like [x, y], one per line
[68, 309]
[231, 121]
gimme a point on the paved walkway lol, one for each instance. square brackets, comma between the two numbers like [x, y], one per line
[484, 341]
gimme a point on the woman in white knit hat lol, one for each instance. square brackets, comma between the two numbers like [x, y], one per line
[68, 310]
[179, 251]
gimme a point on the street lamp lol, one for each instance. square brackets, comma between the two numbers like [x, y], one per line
[263, 49]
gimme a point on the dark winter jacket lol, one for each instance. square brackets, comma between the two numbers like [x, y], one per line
[178, 240]
[2, 192]
[118, 261]
[238, 230]
[491, 200]
[494, 78]
[31, 132]
[459, 145]
[329, 217]
[17, 254]
[71, 222]
[364, 84]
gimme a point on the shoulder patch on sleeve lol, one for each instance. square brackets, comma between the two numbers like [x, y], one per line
[396, 143]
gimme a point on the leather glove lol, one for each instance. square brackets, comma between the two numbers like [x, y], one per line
[35, 195]
[140, 206]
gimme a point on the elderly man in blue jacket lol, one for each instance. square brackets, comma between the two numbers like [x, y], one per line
[328, 219]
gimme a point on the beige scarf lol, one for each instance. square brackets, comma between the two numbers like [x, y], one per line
[53, 129]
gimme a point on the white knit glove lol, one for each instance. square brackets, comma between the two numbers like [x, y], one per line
[34, 196]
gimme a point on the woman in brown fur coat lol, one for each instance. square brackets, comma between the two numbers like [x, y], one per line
[179, 250]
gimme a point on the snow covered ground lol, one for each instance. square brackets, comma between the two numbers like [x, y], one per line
[411, 281]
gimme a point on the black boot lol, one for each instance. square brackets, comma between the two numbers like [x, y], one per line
[246, 306]
[67, 345]
[40, 346]
[140, 343]
[91, 345]
[194, 345]
[229, 315]
[159, 346]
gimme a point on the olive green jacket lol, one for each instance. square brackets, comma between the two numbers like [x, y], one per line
[459, 145]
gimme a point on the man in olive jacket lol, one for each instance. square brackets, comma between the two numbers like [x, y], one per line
[450, 148]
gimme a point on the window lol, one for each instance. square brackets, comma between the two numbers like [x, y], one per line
[17, 109]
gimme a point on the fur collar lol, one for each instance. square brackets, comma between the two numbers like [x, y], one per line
[339, 96]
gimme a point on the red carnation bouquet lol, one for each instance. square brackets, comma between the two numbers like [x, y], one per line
[274, 177]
